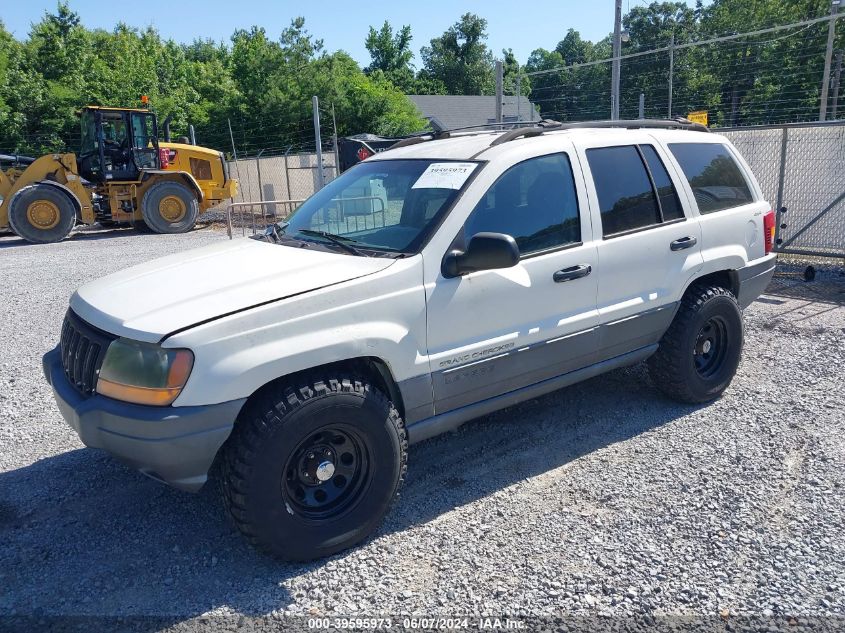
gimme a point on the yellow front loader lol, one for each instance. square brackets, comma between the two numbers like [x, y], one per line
[122, 176]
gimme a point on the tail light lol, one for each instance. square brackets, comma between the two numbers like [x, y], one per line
[769, 231]
[164, 157]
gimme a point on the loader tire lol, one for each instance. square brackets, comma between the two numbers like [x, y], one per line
[170, 207]
[42, 214]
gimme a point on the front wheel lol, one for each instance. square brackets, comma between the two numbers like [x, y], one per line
[169, 207]
[699, 353]
[312, 470]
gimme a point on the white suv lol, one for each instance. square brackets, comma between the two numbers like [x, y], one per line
[429, 285]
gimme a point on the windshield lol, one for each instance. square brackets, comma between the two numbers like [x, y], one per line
[89, 133]
[385, 205]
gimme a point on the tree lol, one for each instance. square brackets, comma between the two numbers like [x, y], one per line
[391, 54]
[652, 27]
[571, 92]
[460, 59]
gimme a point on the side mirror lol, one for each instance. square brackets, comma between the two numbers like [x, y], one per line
[485, 251]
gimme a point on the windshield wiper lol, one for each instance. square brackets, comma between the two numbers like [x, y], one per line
[276, 231]
[340, 240]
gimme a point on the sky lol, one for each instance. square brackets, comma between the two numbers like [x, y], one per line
[341, 24]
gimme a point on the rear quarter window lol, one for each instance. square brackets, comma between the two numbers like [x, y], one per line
[716, 180]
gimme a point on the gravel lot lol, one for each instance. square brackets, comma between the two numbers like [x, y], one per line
[603, 498]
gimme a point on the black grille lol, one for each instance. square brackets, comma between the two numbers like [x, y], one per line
[83, 348]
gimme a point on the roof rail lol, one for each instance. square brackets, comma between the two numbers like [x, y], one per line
[666, 124]
[441, 134]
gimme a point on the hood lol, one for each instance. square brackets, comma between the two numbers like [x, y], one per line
[149, 301]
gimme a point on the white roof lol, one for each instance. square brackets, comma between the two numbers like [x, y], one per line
[471, 145]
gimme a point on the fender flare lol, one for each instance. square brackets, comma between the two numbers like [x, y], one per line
[77, 204]
[188, 178]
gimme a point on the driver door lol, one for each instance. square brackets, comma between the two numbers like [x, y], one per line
[494, 331]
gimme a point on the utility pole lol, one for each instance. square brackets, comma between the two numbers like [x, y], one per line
[617, 62]
[193, 136]
[831, 33]
[518, 95]
[232, 138]
[642, 105]
[837, 77]
[671, 70]
[500, 89]
[315, 105]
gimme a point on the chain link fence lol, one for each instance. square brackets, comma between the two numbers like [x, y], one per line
[800, 169]
[271, 187]
[783, 74]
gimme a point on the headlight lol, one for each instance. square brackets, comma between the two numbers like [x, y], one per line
[144, 373]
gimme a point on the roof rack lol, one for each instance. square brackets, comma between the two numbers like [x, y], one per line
[437, 135]
[528, 129]
[665, 124]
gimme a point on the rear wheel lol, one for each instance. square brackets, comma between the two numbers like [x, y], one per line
[313, 470]
[169, 207]
[42, 214]
[700, 352]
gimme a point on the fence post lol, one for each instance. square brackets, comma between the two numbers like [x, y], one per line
[616, 70]
[499, 90]
[315, 105]
[336, 155]
[287, 173]
[831, 33]
[671, 69]
[781, 176]
[837, 78]
[260, 184]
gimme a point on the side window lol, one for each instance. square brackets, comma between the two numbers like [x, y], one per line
[716, 180]
[634, 188]
[670, 205]
[535, 202]
[626, 198]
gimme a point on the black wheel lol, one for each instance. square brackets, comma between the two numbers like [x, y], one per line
[169, 207]
[699, 353]
[42, 214]
[313, 470]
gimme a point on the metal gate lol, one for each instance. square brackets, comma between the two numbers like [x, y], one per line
[801, 169]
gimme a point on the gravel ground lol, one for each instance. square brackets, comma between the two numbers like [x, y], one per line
[603, 498]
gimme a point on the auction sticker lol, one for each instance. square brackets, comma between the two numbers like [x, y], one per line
[445, 176]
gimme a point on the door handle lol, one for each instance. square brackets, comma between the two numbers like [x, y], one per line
[685, 242]
[573, 272]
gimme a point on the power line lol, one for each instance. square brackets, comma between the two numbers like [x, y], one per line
[725, 38]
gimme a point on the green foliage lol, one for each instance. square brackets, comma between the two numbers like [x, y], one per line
[263, 82]
[460, 59]
[263, 85]
[773, 77]
[391, 55]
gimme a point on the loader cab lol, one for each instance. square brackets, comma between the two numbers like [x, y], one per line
[117, 144]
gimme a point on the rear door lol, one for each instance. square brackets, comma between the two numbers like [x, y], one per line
[649, 247]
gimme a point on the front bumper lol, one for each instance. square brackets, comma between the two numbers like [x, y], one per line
[176, 445]
[754, 279]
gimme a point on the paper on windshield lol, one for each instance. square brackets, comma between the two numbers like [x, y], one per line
[445, 176]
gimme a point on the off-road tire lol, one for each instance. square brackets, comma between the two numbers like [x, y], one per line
[173, 193]
[673, 367]
[55, 201]
[256, 465]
